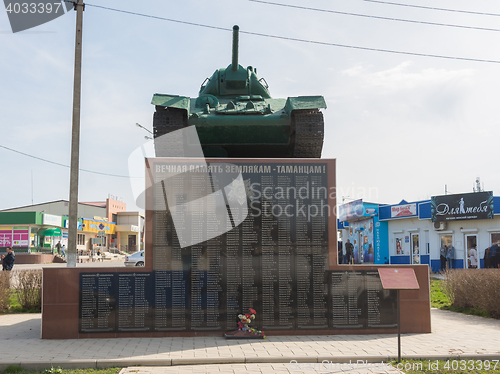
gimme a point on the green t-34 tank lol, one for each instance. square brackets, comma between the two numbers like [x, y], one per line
[235, 116]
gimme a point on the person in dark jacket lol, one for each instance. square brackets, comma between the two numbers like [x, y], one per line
[442, 257]
[349, 251]
[494, 256]
[487, 258]
[8, 260]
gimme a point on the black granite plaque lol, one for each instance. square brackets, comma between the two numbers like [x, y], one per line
[382, 304]
[196, 300]
[280, 250]
[206, 287]
[135, 301]
[171, 300]
[346, 290]
[97, 302]
[359, 301]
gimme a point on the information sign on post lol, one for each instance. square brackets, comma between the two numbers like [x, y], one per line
[398, 279]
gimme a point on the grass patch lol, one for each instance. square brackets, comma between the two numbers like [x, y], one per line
[438, 297]
[21, 291]
[474, 289]
[15, 306]
[454, 366]
[441, 301]
[18, 370]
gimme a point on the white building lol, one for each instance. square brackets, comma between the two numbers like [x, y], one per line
[417, 230]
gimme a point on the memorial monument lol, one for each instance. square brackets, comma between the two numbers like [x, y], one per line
[240, 214]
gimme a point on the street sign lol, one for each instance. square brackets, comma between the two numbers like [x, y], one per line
[101, 234]
[398, 279]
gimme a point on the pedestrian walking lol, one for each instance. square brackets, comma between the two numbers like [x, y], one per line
[8, 260]
[63, 249]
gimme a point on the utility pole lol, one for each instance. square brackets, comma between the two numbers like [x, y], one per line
[75, 138]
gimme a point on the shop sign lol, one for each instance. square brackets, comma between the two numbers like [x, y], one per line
[14, 236]
[475, 205]
[50, 219]
[406, 210]
[96, 226]
[78, 225]
[350, 211]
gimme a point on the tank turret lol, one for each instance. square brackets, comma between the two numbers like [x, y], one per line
[235, 79]
[235, 116]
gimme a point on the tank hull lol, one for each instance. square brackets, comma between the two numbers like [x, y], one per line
[271, 128]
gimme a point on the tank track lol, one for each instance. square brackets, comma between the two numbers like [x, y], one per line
[166, 120]
[309, 133]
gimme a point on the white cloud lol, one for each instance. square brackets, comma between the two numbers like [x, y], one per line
[400, 78]
[355, 71]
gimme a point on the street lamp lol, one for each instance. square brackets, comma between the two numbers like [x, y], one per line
[142, 127]
[148, 137]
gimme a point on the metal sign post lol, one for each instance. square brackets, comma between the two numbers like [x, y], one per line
[398, 279]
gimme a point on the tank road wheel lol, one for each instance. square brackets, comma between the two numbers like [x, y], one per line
[166, 120]
[309, 133]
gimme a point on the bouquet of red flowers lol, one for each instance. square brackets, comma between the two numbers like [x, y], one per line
[245, 320]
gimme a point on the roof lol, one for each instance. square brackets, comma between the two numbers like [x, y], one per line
[99, 204]
[26, 206]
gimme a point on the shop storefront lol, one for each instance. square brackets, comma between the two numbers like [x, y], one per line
[418, 230]
[89, 229]
[29, 231]
[366, 233]
[408, 234]
[466, 221]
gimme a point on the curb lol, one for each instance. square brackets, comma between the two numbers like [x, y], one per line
[143, 361]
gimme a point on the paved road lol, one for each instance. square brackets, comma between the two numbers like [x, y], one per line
[453, 336]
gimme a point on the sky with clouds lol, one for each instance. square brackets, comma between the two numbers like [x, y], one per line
[400, 126]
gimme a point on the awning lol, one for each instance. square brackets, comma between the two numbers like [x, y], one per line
[49, 232]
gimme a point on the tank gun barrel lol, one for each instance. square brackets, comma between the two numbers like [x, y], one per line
[234, 62]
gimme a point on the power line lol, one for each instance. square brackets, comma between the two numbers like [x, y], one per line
[66, 166]
[433, 8]
[160, 18]
[299, 40]
[376, 17]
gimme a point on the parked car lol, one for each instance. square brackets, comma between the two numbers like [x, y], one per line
[135, 259]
